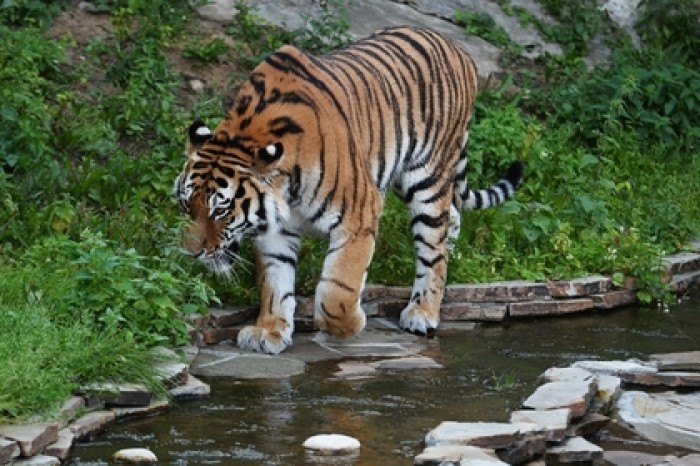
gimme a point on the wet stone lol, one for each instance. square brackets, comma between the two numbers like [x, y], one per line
[615, 367]
[688, 361]
[574, 450]
[552, 422]
[71, 407]
[38, 460]
[227, 361]
[157, 406]
[498, 292]
[192, 389]
[666, 417]
[332, 443]
[588, 425]
[61, 447]
[448, 455]
[473, 311]
[135, 455]
[523, 450]
[119, 395]
[9, 449]
[637, 458]
[573, 395]
[567, 374]
[682, 262]
[354, 370]
[614, 299]
[31, 438]
[479, 434]
[91, 423]
[667, 378]
[406, 364]
[559, 307]
[683, 282]
[579, 287]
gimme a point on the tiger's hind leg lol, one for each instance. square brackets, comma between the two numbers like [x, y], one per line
[431, 223]
[276, 261]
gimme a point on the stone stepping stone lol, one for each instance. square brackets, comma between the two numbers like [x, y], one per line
[61, 448]
[227, 361]
[38, 460]
[576, 396]
[192, 389]
[579, 287]
[667, 379]
[615, 367]
[550, 307]
[457, 455]
[574, 450]
[9, 449]
[135, 455]
[31, 438]
[479, 434]
[552, 422]
[332, 444]
[609, 386]
[667, 417]
[687, 361]
[497, 292]
[91, 423]
[636, 458]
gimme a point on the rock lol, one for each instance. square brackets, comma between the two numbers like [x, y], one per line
[406, 364]
[157, 406]
[31, 438]
[445, 455]
[689, 361]
[589, 424]
[135, 455]
[218, 10]
[192, 389]
[615, 367]
[479, 434]
[61, 447]
[227, 361]
[567, 374]
[498, 292]
[197, 86]
[682, 262]
[636, 458]
[579, 287]
[539, 308]
[666, 417]
[378, 292]
[233, 315]
[71, 407]
[524, 449]
[38, 460]
[552, 422]
[574, 450]
[9, 449]
[119, 395]
[332, 444]
[553, 395]
[667, 379]
[354, 370]
[472, 311]
[91, 423]
[613, 299]
[683, 282]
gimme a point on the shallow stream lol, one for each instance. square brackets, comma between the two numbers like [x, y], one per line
[488, 372]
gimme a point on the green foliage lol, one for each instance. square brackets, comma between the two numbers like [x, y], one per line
[483, 25]
[673, 27]
[578, 23]
[210, 51]
[38, 13]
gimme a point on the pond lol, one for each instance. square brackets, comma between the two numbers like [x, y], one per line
[488, 372]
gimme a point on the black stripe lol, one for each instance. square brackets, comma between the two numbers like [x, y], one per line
[429, 221]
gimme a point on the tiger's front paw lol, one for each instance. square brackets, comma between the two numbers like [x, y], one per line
[266, 338]
[416, 319]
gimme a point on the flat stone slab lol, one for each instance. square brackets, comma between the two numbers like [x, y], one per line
[228, 361]
[479, 434]
[552, 422]
[119, 395]
[579, 287]
[457, 455]
[192, 389]
[31, 438]
[61, 447]
[550, 307]
[574, 450]
[588, 425]
[613, 299]
[615, 367]
[568, 374]
[497, 292]
[666, 378]
[636, 458]
[682, 262]
[91, 423]
[687, 361]
[9, 449]
[554, 395]
[156, 406]
[332, 443]
[683, 282]
[38, 460]
[667, 417]
[473, 311]
[232, 315]
[135, 455]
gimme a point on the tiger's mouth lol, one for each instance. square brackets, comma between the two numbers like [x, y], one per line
[221, 260]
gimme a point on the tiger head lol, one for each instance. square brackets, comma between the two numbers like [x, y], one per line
[233, 183]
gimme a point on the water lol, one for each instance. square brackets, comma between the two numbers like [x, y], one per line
[487, 374]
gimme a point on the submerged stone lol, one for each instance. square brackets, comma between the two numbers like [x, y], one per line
[444, 455]
[135, 455]
[332, 443]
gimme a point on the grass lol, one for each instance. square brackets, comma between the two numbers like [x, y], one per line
[92, 137]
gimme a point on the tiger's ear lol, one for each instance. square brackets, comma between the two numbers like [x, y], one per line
[199, 134]
[271, 153]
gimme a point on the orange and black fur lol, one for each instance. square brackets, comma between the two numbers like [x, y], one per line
[311, 145]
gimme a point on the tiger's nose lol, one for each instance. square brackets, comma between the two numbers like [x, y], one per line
[194, 244]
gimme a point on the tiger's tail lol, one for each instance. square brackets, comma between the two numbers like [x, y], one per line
[497, 193]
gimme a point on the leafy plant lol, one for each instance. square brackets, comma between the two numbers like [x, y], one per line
[483, 25]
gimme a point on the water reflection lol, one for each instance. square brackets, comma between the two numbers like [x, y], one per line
[265, 422]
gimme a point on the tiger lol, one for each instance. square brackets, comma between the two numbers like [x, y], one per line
[310, 146]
